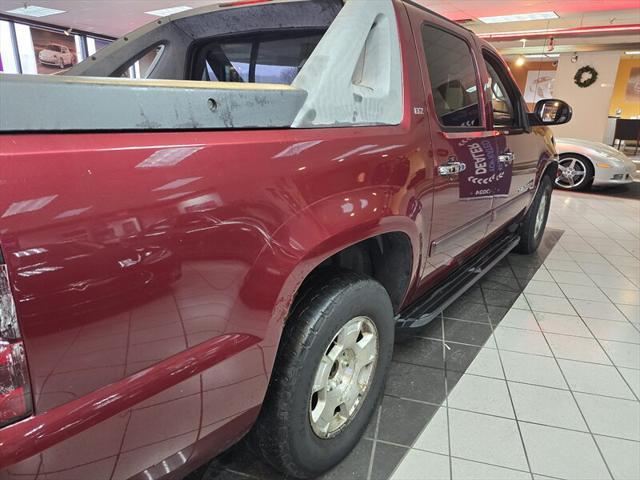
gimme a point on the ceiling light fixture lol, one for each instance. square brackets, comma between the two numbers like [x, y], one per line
[520, 61]
[519, 17]
[35, 11]
[633, 52]
[165, 12]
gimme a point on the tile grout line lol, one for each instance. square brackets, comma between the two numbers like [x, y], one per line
[444, 404]
[569, 334]
[513, 407]
[623, 322]
[610, 359]
[422, 402]
[603, 349]
[584, 418]
[608, 262]
[375, 441]
[385, 442]
[446, 394]
[598, 339]
[534, 354]
[615, 304]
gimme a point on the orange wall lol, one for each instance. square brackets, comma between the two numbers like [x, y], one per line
[618, 100]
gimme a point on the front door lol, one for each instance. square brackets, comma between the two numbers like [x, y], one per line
[460, 141]
[516, 151]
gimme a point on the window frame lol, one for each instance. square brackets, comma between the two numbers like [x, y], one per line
[512, 90]
[483, 118]
[255, 39]
[511, 110]
[118, 72]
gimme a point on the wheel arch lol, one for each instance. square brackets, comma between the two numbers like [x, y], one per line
[331, 233]
[386, 257]
[388, 251]
[314, 236]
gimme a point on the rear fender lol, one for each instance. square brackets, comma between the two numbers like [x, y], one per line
[314, 235]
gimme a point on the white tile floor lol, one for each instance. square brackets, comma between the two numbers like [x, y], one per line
[555, 391]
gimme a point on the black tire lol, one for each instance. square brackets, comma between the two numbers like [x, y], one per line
[582, 164]
[529, 240]
[283, 434]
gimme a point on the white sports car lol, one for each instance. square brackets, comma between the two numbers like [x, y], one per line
[584, 163]
[56, 55]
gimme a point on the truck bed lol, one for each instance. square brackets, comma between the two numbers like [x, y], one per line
[40, 103]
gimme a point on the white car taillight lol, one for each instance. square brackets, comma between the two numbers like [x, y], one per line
[15, 391]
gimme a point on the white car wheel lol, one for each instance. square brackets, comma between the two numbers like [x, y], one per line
[574, 173]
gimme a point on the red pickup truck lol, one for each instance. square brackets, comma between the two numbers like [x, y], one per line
[229, 245]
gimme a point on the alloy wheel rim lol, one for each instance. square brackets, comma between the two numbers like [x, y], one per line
[540, 214]
[343, 377]
[573, 173]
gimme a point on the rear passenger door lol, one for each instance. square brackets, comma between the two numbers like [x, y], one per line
[517, 157]
[459, 138]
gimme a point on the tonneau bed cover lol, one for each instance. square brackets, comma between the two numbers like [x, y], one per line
[42, 103]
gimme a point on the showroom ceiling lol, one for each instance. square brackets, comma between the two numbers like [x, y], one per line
[471, 9]
[117, 17]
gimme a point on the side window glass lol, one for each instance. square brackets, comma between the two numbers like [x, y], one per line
[502, 104]
[228, 62]
[276, 60]
[454, 83]
[279, 61]
[143, 65]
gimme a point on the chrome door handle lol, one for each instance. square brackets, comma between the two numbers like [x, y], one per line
[506, 158]
[451, 168]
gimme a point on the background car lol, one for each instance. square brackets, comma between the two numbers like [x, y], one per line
[58, 55]
[584, 163]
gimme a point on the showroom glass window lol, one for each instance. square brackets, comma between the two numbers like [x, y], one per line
[262, 60]
[504, 113]
[454, 80]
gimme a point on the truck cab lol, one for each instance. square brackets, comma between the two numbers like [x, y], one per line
[229, 246]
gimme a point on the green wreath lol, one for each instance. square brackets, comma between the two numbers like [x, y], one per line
[589, 80]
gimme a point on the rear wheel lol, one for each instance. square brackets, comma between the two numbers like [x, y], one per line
[535, 221]
[575, 172]
[329, 374]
